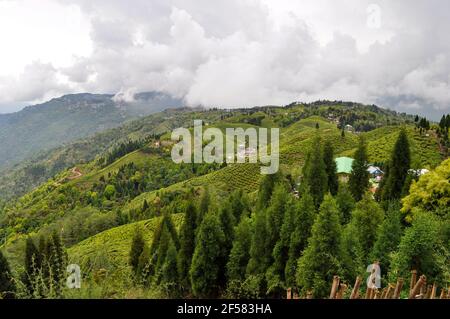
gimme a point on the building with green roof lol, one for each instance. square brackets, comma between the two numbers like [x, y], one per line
[344, 167]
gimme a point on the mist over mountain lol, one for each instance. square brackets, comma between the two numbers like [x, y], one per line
[64, 119]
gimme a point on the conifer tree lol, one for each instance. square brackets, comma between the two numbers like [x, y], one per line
[203, 206]
[366, 218]
[330, 168]
[7, 286]
[137, 247]
[303, 221]
[388, 236]
[359, 177]
[398, 168]
[280, 255]
[205, 266]
[31, 256]
[353, 261]
[227, 224]
[187, 245]
[260, 253]
[345, 202]
[315, 175]
[57, 260]
[320, 260]
[169, 271]
[239, 255]
[265, 190]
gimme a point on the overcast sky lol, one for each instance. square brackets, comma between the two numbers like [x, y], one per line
[394, 53]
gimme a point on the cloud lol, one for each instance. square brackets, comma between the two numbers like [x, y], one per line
[230, 53]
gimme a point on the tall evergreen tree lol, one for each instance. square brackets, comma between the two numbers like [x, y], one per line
[7, 285]
[280, 255]
[265, 190]
[398, 168]
[388, 237]
[359, 177]
[320, 260]
[205, 266]
[203, 206]
[330, 168]
[170, 276]
[366, 218]
[345, 202]
[303, 221]
[58, 261]
[137, 247]
[260, 253]
[239, 255]
[31, 269]
[187, 245]
[315, 174]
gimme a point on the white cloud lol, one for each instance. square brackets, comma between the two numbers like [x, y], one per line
[240, 53]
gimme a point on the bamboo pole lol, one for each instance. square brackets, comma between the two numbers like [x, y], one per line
[383, 293]
[341, 291]
[433, 291]
[377, 294]
[334, 287]
[398, 288]
[368, 293]
[355, 290]
[417, 287]
[413, 280]
[389, 291]
[289, 293]
[442, 296]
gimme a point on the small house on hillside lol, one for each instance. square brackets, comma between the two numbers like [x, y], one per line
[344, 168]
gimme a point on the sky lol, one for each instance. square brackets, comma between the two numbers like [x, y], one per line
[229, 53]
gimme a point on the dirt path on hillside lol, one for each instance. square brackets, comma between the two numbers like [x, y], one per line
[76, 173]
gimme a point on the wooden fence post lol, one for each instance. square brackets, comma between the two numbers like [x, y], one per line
[355, 291]
[413, 280]
[433, 291]
[341, 292]
[417, 287]
[398, 288]
[334, 287]
[289, 293]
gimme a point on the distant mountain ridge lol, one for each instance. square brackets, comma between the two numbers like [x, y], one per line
[67, 118]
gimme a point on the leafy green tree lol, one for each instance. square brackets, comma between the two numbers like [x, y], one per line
[366, 218]
[315, 175]
[110, 191]
[359, 177]
[424, 249]
[187, 245]
[388, 237]
[330, 168]
[320, 260]
[303, 220]
[398, 168]
[205, 266]
[137, 248]
[345, 202]
[7, 285]
[260, 253]
[430, 193]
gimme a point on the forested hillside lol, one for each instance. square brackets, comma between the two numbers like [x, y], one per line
[140, 225]
[62, 120]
